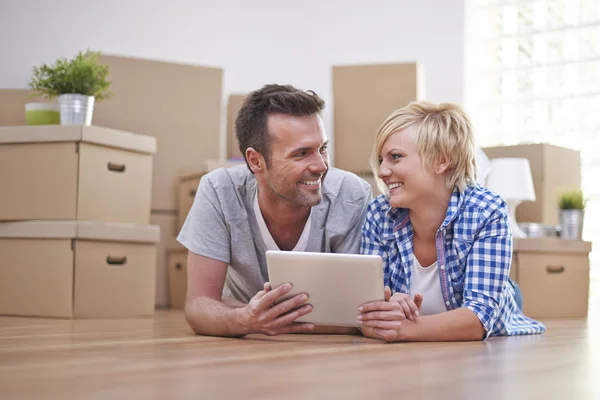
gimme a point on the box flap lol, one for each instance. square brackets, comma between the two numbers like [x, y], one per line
[39, 229]
[78, 133]
[118, 231]
[551, 245]
[90, 230]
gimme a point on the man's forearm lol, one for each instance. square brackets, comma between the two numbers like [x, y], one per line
[231, 302]
[457, 325]
[211, 317]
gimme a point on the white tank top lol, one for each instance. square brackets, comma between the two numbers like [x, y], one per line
[426, 281]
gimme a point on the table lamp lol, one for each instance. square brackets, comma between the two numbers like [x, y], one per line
[511, 179]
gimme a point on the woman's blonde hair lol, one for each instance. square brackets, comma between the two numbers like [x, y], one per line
[438, 130]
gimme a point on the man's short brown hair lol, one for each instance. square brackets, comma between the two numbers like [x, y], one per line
[251, 121]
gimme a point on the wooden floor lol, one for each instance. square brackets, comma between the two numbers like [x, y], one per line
[159, 358]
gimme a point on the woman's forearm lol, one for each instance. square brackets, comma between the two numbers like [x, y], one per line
[457, 325]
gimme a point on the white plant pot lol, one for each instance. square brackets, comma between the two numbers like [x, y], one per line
[76, 109]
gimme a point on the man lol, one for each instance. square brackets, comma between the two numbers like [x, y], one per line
[285, 198]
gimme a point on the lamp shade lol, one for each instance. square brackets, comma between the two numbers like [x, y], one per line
[511, 179]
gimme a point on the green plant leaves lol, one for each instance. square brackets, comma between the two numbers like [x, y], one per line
[82, 75]
[571, 200]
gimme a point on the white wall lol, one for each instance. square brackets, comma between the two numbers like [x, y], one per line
[255, 41]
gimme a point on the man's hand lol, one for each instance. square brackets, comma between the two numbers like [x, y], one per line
[383, 319]
[262, 315]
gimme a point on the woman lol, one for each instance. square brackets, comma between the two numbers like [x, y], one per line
[445, 240]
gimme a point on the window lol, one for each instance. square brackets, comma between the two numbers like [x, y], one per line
[533, 75]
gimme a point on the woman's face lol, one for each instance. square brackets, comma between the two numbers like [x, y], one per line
[401, 169]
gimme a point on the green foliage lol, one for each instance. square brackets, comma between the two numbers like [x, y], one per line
[571, 200]
[81, 75]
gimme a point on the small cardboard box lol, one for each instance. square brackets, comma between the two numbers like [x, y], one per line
[363, 97]
[553, 168]
[189, 179]
[168, 230]
[88, 173]
[545, 268]
[77, 269]
[177, 266]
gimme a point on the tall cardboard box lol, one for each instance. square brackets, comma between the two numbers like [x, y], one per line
[544, 267]
[178, 104]
[233, 106]
[368, 176]
[553, 168]
[363, 96]
[77, 269]
[74, 172]
[12, 105]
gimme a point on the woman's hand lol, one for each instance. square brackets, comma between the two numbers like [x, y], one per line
[383, 319]
[410, 306]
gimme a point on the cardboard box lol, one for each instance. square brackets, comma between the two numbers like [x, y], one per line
[177, 265]
[77, 269]
[553, 168]
[179, 105]
[371, 180]
[363, 97]
[545, 268]
[60, 172]
[168, 232]
[12, 105]
[189, 179]
[233, 106]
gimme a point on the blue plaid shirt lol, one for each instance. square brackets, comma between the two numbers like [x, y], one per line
[474, 252]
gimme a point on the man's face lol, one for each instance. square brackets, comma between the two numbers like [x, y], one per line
[299, 158]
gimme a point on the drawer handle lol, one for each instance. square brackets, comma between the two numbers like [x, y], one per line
[555, 269]
[192, 192]
[116, 260]
[116, 167]
[178, 266]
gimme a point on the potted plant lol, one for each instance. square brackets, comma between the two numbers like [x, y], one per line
[77, 83]
[572, 207]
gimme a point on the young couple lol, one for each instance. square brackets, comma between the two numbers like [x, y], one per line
[444, 240]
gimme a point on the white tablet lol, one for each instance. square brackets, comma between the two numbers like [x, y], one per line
[336, 284]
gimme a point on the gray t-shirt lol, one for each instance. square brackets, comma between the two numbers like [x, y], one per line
[222, 225]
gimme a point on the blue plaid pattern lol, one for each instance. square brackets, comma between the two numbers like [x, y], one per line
[474, 252]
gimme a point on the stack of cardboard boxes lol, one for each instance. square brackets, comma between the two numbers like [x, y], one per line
[546, 266]
[177, 106]
[75, 239]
